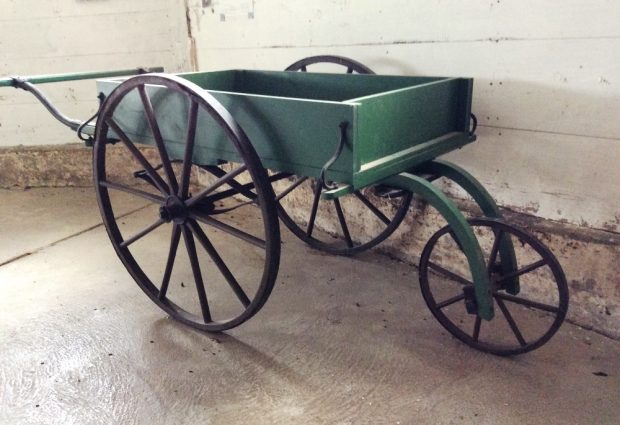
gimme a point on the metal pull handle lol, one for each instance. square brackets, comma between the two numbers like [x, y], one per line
[56, 78]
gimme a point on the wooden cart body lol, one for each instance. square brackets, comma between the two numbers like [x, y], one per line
[292, 119]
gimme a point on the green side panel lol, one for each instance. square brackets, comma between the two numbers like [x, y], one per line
[389, 122]
[462, 231]
[486, 203]
[297, 136]
[294, 135]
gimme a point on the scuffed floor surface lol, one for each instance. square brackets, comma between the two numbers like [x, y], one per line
[340, 341]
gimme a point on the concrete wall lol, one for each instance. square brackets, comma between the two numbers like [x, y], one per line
[41, 37]
[547, 87]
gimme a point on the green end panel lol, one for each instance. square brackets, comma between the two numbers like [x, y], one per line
[486, 203]
[410, 116]
[288, 134]
[462, 230]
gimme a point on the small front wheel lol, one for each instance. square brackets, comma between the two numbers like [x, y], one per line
[523, 321]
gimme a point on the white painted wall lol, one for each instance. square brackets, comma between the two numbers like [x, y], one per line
[547, 80]
[547, 74]
[44, 37]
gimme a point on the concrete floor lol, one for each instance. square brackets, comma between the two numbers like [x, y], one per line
[340, 341]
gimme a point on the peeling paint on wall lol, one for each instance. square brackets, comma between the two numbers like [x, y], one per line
[232, 10]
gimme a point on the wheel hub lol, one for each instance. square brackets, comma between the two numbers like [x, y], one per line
[173, 209]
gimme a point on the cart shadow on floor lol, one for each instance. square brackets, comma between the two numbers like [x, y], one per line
[182, 342]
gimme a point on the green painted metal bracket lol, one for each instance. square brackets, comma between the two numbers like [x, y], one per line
[55, 78]
[462, 230]
[486, 203]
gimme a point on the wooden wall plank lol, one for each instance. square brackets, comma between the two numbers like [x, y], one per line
[298, 23]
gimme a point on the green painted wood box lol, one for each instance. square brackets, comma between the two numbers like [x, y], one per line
[293, 118]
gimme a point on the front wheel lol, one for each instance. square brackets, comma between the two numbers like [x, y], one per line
[524, 321]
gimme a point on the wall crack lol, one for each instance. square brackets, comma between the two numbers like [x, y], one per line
[193, 54]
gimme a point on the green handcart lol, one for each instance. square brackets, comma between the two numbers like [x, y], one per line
[338, 157]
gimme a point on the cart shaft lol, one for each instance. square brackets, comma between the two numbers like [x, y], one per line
[29, 84]
[56, 78]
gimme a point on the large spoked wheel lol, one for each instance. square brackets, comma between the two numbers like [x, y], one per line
[352, 223]
[224, 270]
[522, 322]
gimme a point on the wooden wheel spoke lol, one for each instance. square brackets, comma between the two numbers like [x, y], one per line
[251, 239]
[313, 210]
[450, 301]
[200, 287]
[137, 192]
[159, 140]
[343, 223]
[523, 270]
[289, 189]
[142, 233]
[511, 321]
[455, 239]
[172, 253]
[219, 262]
[477, 324]
[236, 187]
[217, 183]
[528, 303]
[449, 274]
[152, 173]
[495, 249]
[376, 211]
[189, 150]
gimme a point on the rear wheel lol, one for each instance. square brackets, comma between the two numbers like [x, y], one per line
[351, 66]
[352, 223]
[224, 269]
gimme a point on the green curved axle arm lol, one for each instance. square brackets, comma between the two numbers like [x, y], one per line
[486, 203]
[462, 231]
